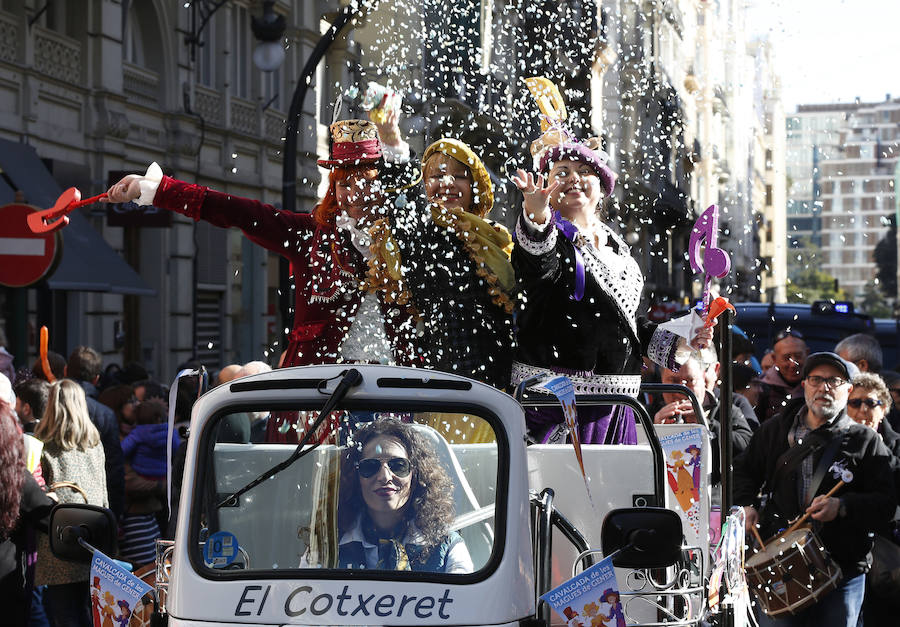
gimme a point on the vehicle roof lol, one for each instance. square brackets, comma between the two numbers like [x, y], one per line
[821, 328]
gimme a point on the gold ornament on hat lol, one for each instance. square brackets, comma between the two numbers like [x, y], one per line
[553, 113]
[549, 101]
[353, 131]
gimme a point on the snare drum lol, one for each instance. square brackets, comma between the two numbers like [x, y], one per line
[793, 572]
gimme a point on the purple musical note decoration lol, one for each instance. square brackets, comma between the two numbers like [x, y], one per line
[715, 261]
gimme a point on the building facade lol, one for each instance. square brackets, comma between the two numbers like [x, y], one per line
[95, 89]
[842, 164]
[100, 88]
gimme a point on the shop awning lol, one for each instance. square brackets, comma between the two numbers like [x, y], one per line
[88, 262]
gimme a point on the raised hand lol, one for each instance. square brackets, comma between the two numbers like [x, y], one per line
[537, 197]
[703, 337]
[387, 121]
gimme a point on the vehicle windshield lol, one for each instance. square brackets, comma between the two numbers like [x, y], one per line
[375, 490]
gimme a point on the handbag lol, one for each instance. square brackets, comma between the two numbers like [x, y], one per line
[884, 576]
[70, 485]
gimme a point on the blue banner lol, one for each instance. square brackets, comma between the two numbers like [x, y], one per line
[115, 592]
[589, 599]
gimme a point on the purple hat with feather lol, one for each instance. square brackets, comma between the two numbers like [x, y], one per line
[557, 142]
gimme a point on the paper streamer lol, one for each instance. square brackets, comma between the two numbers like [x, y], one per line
[561, 387]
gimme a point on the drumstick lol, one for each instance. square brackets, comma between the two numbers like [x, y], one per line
[759, 539]
[831, 492]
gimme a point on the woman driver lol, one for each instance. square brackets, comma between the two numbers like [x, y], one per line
[395, 506]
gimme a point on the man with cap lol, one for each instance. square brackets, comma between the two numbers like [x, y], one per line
[792, 462]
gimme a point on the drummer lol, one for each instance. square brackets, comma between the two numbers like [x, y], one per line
[810, 443]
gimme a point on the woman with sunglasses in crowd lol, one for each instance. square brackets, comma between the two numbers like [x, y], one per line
[869, 403]
[395, 505]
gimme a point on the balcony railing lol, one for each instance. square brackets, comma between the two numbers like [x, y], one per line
[57, 56]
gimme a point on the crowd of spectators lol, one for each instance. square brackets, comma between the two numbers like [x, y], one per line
[74, 432]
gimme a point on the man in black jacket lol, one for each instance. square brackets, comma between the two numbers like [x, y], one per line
[84, 366]
[794, 459]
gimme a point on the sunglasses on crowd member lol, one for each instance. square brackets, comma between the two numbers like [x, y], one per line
[871, 403]
[399, 466]
[786, 333]
[831, 382]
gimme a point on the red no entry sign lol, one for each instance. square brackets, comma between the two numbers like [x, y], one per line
[25, 257]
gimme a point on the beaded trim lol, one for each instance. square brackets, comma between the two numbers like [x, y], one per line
[624, 287]
[662, 348]
[627, 384]
[532, 246]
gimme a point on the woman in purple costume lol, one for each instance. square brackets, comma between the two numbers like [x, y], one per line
[581, 289]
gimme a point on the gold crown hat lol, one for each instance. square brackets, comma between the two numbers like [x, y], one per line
[353, 142]
[557, 141]
[460, 151]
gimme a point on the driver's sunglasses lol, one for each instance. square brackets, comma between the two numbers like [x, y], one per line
[399, 466]
[871, 403]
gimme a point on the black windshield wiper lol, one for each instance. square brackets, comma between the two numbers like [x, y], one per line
[350, 379]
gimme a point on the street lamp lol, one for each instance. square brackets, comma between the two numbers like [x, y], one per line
[268, 30]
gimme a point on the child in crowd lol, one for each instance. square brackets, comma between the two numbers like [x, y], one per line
[145, 447]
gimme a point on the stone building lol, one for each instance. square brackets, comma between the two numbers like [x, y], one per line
[95, 89]
[842, 161]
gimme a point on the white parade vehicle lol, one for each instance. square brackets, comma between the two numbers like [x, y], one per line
[257, 529]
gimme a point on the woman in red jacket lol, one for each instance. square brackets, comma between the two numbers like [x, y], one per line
[334, 320]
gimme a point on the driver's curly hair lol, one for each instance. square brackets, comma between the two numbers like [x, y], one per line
[430, 504]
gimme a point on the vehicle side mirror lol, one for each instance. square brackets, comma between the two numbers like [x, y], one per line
[645, 537]
[71, 521]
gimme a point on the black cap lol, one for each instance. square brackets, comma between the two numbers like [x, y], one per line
[849, 370]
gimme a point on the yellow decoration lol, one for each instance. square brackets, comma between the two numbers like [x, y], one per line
[549, 100]
[488, 245]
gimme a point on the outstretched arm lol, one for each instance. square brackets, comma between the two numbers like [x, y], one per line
[267, 226]
[535, 256]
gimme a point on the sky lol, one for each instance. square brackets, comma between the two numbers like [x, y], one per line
[832, 50]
